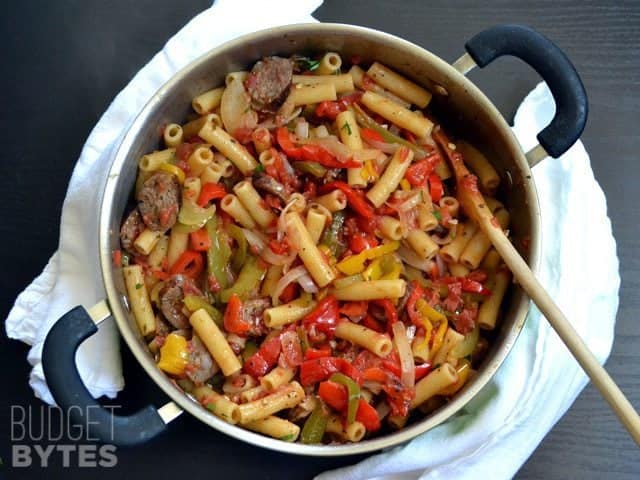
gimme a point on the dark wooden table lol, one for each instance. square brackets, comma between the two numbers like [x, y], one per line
[62, 64]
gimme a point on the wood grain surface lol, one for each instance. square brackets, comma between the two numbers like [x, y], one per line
[63, 62]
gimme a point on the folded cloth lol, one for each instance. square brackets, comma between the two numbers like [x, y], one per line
[500, 428]
[72, 276]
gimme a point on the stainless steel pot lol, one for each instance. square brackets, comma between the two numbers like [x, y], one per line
[458, 103]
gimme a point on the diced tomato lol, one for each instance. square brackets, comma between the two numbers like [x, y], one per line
[265, 358]
[313, 353]
[453, 300]
[418, 173]
[279, 247]
[200, 240]
[291, 348]
[233, 321]
[478, 275]
[329, 109]
[184, 151]
[117, 258]
[436, 189]
[334, 394]
[473, 286]
[368, 416]
[354, 309]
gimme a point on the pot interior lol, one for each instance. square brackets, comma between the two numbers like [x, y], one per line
[457, 103]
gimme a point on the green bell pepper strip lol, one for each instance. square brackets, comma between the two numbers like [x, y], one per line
[314, 427]
[248, 280]
[249, 349]
[312, 168]
[195, 302]
[240, 255]
[353, 394]
[219, 252]
[368, 122]
[331, 237]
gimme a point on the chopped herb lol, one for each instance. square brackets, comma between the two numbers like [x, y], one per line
[288, 438]
[347, 127]
[138, 286]
[305, 63]
[438, 215]
[211, 407]
[259, 169]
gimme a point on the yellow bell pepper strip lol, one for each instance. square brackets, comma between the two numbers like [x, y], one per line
[353, 394]
[314, 427]
[174, 355]
[174, 170]
[438, 339]
[356, 263]
[429, 312]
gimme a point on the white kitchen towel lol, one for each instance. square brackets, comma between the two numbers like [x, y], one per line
[499, 429]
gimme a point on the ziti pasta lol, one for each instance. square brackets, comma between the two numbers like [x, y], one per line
[297, 259]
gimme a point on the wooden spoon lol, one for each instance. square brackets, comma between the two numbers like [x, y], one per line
[475, 207]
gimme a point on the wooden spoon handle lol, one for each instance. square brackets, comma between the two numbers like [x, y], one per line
[599, 376]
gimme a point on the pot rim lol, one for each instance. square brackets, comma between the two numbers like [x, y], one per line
[184, 400]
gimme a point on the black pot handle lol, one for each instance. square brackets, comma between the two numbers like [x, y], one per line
[553, 66]
[63, 379]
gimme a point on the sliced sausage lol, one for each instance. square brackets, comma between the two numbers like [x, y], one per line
[252, 311]
[268, 82]
[159, 201]
[201, 365]
[171, 296]
[131, 228]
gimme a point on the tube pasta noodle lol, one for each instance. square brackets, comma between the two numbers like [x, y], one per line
[464, 233]
[172, 135]
[397, 114]
[433, 383]
[371, 290]
[399, 85]
[276, 377]
[254, 204]
[215, 342]
[275, 427]
[315, 262]
[316, 221]
[288, 313]
[342, 83]
[364, 337]
[487, 175]
[139, 299]
[152, 161]
[315, 93]
[218, 404]
[488, 313]
[234, 207]
[391, 177]
[207, 101]
[264, 267]
[287, 396]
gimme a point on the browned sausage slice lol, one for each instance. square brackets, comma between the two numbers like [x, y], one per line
[131, 228]
[159, 201]
[268, 82]
[201, 365]
[171, 296]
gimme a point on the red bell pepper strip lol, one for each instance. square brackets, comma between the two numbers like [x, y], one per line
[310, 153]
[478, 275]
[374, 374]
[334, 394]
[370, 135]
[389, 310]
[354, 309]
[422, 370]
[264, 359]
[200, 240]
[313, 353]
[370, 322]
[210, 191]
[362, 241]
[416, 294]
[436, 190]
[368, 416]
[329, 109]
[190, 263]
[324, 317]
[356, 200]
[233, 321]
[319, 369]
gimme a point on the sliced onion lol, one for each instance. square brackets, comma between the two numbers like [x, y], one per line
[374, 387]
[407, 367]
[255, 239]
[273, 258]
[234, 104]
[411, 202]
[410, 257]
[282, 224]
[307, 284]
[293, 275]
[332, 145]
[302, 128]
[383, 146]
